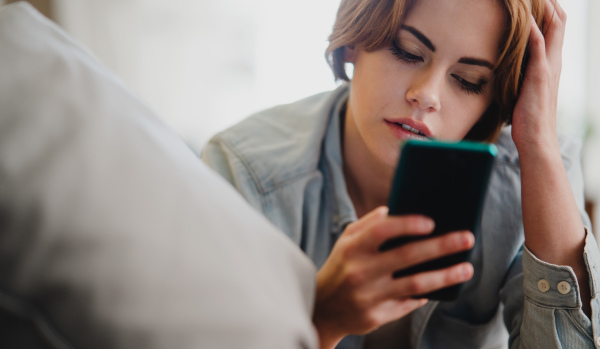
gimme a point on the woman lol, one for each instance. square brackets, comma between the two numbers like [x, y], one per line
[321, 170]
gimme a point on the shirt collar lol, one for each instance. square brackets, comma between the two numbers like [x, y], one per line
[343, 209]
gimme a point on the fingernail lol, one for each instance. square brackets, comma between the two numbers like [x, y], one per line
[427, 224]
[466, 271]
[467, 239]
[383, 210]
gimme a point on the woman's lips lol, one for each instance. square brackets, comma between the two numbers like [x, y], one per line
[406, 128]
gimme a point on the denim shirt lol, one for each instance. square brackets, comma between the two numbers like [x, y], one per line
[287, 162]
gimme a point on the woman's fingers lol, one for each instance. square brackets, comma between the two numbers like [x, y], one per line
[385, 228]
[393, 309]
[537, 46]
[553, 11]
[377, 227]
[534, 116]
[421, 251]
[422, 283]
[560, 12]
[355, 289]
[397, 226]
[554, 30]
[368, 220]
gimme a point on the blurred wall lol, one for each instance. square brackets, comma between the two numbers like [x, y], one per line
[204, 65]
[572, 97]
[591, 159]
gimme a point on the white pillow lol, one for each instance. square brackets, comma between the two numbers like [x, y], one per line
[113, 234]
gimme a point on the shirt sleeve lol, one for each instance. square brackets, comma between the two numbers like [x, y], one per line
[553, 316]
[223, 159]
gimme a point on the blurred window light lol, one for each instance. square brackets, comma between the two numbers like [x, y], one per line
[591, 165]
[203, 65]
[572, 97]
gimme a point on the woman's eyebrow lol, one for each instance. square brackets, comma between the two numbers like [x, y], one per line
[422, 38]
[476, 61]
[466, 60]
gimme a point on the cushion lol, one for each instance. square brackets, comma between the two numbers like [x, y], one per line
[113, 234]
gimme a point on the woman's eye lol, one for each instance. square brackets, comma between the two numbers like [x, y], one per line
[469, 87]
[403, 55]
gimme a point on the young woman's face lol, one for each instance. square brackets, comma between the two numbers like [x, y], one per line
[435, 80]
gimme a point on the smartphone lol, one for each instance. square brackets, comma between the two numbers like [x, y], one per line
[446, 182]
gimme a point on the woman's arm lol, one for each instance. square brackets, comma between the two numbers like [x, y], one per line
[532, 312]
[554, 230]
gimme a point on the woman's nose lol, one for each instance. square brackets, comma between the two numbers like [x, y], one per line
[424, 91]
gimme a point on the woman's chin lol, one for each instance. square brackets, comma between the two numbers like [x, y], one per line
[389, 159]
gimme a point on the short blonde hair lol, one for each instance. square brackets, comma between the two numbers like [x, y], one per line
[374, 24]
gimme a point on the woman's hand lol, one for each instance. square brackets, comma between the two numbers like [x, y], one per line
[534, 116]
[356, 292]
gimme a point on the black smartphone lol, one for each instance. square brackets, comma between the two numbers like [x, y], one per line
[446, 182]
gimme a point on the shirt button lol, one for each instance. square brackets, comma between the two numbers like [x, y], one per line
[543, 285]
[598, 340]
[564, 287]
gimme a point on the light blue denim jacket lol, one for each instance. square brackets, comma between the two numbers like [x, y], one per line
[287, 162]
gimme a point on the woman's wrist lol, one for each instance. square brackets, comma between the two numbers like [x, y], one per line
[329, 337]
[538, 150]
[534, 134]
[553, 228]
[325, 324]
[327, 340]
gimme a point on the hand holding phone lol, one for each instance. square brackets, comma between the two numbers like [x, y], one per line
[446, 182]
[355, 293]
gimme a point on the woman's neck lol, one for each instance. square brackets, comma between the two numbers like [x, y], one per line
[368, 180]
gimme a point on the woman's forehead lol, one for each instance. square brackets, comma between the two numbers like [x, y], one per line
[472, 25]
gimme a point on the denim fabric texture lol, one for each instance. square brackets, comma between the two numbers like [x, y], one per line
[287, 162]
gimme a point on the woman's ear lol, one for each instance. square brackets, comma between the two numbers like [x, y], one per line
[349, 53]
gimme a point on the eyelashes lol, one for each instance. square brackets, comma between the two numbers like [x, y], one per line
[463, 84]
[469, 87]
[403, 55]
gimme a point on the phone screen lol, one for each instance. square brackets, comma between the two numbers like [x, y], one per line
[446, 182]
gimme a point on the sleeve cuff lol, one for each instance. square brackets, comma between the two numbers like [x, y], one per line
[591, 257]
[556, 286]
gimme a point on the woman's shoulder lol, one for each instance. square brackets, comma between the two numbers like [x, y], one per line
[283, 142]
[505, 181]
[570, 150]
